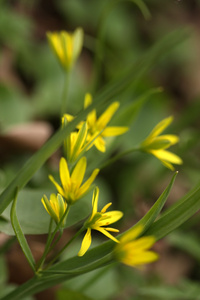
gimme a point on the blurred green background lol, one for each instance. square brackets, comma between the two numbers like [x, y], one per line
[31, 83]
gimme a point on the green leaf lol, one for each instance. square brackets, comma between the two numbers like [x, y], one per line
[19, 234]
[176, 215]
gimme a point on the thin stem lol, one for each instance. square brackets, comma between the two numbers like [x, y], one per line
[47, 243]
[50, 229]
[50, 240]
[65, 92]
[56, 241]
[64, 248]
[118, 156]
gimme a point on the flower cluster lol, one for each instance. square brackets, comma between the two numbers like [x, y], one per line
[130, 249]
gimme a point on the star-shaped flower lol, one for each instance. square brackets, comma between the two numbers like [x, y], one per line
[156, 144]
[97, 127]
[135, 252]
[71, 189]
[97, 220]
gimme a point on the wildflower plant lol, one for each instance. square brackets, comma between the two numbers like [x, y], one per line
[78, 170]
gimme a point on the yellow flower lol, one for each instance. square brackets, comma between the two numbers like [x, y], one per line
[97, 127]
[135, 252]
[66, 46]
[71, 189]
[156, 144]
[55, 207]
[75, 144]
[97, 220]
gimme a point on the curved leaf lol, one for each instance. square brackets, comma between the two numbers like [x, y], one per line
[19, 234]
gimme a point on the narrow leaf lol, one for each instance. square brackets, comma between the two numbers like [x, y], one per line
[176, 215]
[19, 234]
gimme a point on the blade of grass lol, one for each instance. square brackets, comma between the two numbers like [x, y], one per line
[19, 234]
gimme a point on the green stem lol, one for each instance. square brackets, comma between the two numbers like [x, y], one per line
[118, 156]
[56, 241]
[50, 229]
[50, 240]
[65, 93]
[47, 243]
[64, 248]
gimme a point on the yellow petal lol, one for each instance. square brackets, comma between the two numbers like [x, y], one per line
[142, 243]
[85, 243]
[111, 217]
[77, 43]
[95, 199]
[160, 142]
[141, 259]
[83, 189]
[168, 165]
[87, 100]
[106, 207]
[115, 130]
[103, 230]
[79, 172]
[64, 174]
[131, 234]
[68, 117]
[56, 45]
[54, 204]
[100, 144]
[172, 138]
[67, 45]
[167, 156]
[112, 229]
[58, 187]
[160, 127]
[48, 207]
[107, 115]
